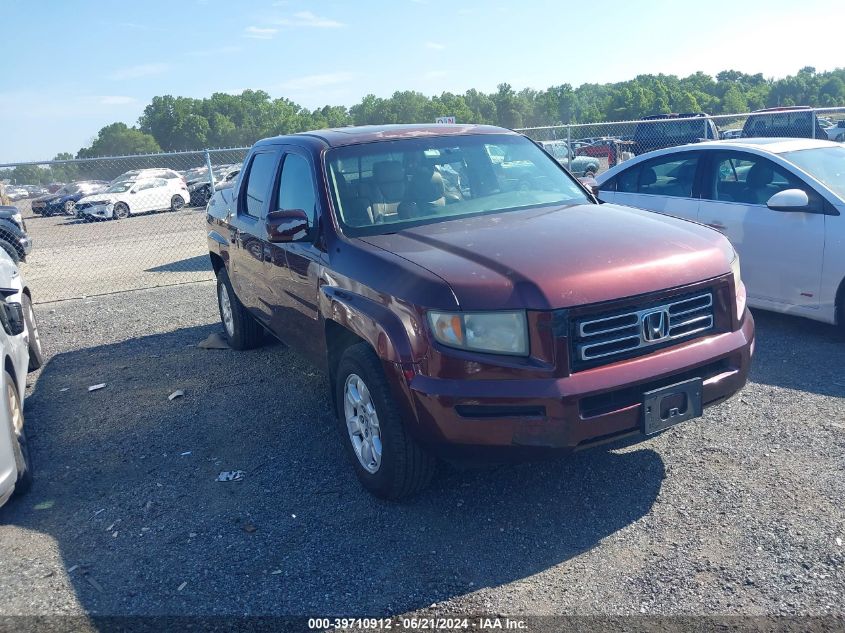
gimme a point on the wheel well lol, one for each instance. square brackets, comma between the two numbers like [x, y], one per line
[216, 262]
[840, 304]
[9, 366]
[338, 340]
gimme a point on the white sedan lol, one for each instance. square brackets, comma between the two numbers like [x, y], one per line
[780, 201]
[20, 346]
[129, 197]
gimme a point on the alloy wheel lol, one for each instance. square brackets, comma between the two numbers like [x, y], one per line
[362, 423]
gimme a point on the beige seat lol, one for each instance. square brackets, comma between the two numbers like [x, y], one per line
[387, 189]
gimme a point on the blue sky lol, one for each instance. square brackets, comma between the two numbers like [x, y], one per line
[71, 67]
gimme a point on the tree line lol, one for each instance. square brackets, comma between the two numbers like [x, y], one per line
[171, 123]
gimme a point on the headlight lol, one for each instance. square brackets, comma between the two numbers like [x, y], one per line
[735, 270]
[493, 332]
[17, 218]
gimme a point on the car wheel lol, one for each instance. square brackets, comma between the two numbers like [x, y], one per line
[242, 330]
[389, 462]
[11, 251]
[176, 203]
[20, 447]
[36, 354]
[120, 211]
[69, 207]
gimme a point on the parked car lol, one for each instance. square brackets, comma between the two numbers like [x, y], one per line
[20, 346]
[728, 134]
[129, 197]
[53, 187]
[14, 240]
[836, 132]
[201, 190]
[781, 202]
[783, 122]
[614, 150]
[64, 200]
[488, 317]
[578, 165]
[669, 130]
[16, 193]
[155, 172]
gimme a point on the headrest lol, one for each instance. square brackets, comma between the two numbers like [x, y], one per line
[759, 175]
[648, 177]
[388, 171]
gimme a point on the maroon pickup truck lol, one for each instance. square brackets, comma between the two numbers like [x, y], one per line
[459, 309]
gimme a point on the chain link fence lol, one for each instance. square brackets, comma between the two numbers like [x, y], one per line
[105, 225]
[588, 149]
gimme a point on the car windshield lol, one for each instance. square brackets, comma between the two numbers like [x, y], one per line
[121, 187]
[825, 163]
[384, 187]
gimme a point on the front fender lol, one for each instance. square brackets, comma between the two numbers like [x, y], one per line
[392, 329]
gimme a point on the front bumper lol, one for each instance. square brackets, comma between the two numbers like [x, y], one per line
[103, 211]
[584, 408]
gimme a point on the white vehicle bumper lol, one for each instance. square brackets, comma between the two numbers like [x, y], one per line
[99, 211]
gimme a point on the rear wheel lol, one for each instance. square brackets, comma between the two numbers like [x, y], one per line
[176, 203]
[120, 211]
[69, 207]
[36, 355]
[242, 330]
[389, 462]
[20, 448]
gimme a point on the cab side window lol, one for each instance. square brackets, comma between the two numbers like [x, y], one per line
[296, 187]
[261, 172]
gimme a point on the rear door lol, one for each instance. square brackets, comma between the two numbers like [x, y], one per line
[781, 253]
[143, 194]
[249, 235]
[666, 184]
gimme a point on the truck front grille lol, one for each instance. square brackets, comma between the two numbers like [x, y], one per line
[599, 339]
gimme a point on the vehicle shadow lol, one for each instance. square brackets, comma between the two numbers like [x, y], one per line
[196, 264]
[125, 484]
[797, 353]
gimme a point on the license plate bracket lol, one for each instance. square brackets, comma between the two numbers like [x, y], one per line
[671, 405]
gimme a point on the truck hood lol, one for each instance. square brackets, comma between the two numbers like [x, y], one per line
[558, 257]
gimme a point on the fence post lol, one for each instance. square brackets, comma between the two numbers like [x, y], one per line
[813, 124]
[210, 173]
[569, 147]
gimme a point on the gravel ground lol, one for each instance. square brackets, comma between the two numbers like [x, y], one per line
[740, 512]
[73, 258]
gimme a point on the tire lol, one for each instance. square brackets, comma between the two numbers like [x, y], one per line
[402, 467]
[242, 330]
[12, 252]
[70, 207]
[20, 447]
[36, 353]
[120, 211]
[177, 202]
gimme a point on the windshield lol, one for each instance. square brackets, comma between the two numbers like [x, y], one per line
[825, 163]
[120, 187]
[387, 186]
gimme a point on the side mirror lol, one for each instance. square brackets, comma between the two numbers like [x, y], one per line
[789, 200]
[287, 225]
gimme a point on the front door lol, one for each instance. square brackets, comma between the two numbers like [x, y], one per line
[780, 252]
[249, 234]
[293, 267]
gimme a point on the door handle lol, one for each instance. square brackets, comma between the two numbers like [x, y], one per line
[716, 225]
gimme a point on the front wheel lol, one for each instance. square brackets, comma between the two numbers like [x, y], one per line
[69, 207]
[389, 463]
[120, 211]
[20, 448]
[242, 330]
[176, 203]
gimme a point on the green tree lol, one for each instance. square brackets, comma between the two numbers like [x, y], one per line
[118, 139]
